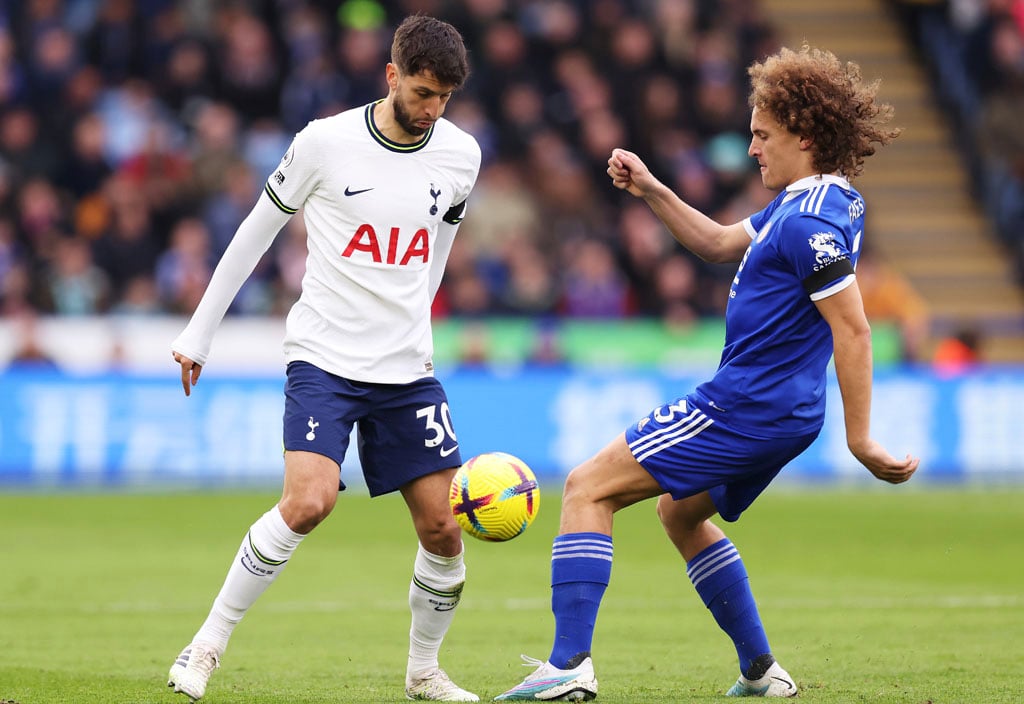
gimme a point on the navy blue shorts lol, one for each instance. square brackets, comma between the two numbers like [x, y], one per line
[404, 431]
[688, 453]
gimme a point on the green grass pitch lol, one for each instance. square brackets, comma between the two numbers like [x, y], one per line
[910, 595]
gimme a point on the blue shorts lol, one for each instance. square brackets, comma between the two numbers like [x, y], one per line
[404, 431]
[687, 453]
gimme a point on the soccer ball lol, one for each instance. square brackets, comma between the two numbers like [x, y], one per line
[494, 496]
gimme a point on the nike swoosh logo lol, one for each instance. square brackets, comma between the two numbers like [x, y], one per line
[450, 450]
[350, 192]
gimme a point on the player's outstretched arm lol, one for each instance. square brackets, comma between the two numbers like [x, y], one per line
[851, 335]
[252, 239]
[693, 229]
[190, 372]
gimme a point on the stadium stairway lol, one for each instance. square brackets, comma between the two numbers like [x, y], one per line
[922, 215]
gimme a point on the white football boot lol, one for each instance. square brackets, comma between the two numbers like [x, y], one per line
[435, 686]
[549, 683]
[775, 683]
[191, 671]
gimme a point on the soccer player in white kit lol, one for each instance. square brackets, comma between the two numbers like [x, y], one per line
[383, 189]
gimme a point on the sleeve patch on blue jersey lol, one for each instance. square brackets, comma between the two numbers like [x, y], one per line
[832, 271]
[455, 214]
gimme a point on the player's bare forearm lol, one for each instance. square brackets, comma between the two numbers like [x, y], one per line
[706, 238]
[853, 369]
[851, 337]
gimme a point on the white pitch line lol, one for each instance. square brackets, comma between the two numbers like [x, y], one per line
[945, 602]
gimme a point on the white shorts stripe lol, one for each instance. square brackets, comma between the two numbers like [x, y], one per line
[640, 444]
[680, 435]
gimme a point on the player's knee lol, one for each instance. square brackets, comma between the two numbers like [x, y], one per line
[675, 519]
[305, 512]
[577, 490]
[439, 535]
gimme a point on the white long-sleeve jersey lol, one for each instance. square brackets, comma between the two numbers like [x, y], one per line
[380, 220]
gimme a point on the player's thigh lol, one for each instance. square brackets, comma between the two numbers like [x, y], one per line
[612, 477]
[310, 489]
[408, 434]
[320, 409]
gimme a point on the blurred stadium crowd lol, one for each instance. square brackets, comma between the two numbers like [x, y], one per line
[975, 49]
[136, 134]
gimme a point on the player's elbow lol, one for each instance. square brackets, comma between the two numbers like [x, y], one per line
[725, 247]
[718, 255]
[855, 335]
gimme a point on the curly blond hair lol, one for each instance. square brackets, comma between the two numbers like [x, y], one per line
[816, 96]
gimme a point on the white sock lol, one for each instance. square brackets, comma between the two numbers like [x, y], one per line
[262, 555]
[434, 593]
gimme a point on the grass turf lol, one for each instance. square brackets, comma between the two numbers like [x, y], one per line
[869, 595]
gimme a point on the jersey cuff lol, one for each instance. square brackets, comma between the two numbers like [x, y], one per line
[278, 202]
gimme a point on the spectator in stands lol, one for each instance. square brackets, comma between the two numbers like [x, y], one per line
[29, 351]
[130, 246]
[676, 284]
[23, 148]
[74, 284]
[594, 284]
[530, 287]
[958, 353]
[85, 166]
[183, 271]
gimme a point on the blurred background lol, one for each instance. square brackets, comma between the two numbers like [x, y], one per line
[135, 136]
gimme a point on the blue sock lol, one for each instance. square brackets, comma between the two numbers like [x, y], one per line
[581, 566]
[720, 578]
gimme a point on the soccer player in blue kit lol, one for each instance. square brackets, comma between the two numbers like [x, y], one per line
[383, 188]
[793, 305]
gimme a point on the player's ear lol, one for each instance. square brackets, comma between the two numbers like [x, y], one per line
[806, 143]
[391, 74]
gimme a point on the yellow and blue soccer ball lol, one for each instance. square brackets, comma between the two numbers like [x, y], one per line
[494, 496]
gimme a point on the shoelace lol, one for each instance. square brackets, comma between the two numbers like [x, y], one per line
[206, 661]
[531, 662]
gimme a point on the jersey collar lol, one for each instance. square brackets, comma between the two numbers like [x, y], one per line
[809, 182]
[391, 145]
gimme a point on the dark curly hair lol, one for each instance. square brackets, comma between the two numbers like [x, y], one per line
[423, 43]
[816, 96]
